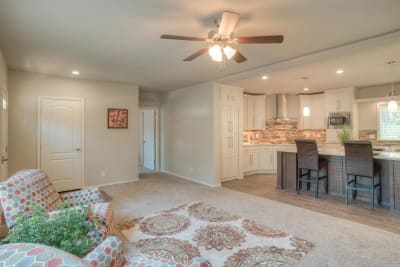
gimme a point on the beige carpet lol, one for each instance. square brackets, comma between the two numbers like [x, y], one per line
[337, 242]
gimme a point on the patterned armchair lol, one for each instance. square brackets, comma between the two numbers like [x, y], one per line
[33, 187]
[109, 253]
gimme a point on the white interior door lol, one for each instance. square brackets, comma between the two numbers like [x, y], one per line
[4, 136]
[140, 138]
[149, 139]
[61, 141]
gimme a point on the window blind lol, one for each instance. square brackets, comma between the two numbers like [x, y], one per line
[389, 124]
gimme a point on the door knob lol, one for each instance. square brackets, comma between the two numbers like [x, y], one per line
[77, 149]
[3, 159]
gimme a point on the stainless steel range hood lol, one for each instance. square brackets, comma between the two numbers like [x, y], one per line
[280, 102]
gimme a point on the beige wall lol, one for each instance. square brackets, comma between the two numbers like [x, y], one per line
[3, 72]
[381, 90]
[149, 99]
[112, 150]
[188, 133]
[367, 119]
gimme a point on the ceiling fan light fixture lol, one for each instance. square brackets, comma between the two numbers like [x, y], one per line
[229, 52]
[215, 53]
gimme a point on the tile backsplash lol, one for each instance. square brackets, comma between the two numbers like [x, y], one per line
[283, 132]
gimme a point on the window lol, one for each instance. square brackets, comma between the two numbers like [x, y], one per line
[388, 124]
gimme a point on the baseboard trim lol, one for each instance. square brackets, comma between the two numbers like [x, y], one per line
[190, 179]
[113, 183]
[260, 172]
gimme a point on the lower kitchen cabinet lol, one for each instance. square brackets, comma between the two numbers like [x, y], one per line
[266, 159]
[260, 158]
[250, 158]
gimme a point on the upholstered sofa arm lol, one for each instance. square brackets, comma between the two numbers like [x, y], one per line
[84, 196]
[109, 253]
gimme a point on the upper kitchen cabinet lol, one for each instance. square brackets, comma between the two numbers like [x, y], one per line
[340, 100]
[312, 111]
[253, 112]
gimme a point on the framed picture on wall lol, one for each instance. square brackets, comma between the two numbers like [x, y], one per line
[117, 118]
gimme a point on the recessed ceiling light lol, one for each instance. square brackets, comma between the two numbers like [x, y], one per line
[306, 89]
[265, 77]
[339, 71]
[75, 72]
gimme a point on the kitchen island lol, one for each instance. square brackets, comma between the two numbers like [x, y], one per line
[388, 161]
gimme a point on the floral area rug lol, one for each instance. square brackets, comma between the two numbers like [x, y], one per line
[224, 239]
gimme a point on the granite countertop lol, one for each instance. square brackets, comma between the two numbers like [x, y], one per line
[338, 151]
[257, 143]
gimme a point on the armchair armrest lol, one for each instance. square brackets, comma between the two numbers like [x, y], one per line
[84, 196]
[109, 253]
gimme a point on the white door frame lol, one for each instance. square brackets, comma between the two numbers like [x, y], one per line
[39, 144]
[156, 135]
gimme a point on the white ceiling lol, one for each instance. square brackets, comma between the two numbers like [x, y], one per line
[362, 65]
[119, 40]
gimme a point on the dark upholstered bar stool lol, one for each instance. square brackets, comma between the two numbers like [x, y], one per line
[359, 162]
[310, 165]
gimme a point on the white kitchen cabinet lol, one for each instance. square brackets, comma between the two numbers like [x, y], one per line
[231, 132]
[250, 156]
[261, 158]
[340, 100]
[317, 117]
[266, 158]
[259, 112]
[254, 112]
[245, 115]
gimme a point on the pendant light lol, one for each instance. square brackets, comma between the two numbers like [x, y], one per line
[306, 109]
[392, 105]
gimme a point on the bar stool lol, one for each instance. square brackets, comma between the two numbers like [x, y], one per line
[309, 161]
[359, 162]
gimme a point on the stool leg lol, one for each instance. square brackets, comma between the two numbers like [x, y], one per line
[298, 180]
[317, 184]
[380, 190]
[373, 193]
[347, 190]
[309, 177]
[355, 191]
[326, 181]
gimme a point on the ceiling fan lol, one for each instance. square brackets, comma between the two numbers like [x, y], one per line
[220, 41]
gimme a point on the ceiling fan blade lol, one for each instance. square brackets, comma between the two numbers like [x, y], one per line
[239, 58]
[267, 39]
[197, 54]
[179, 37]
[228, 22]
